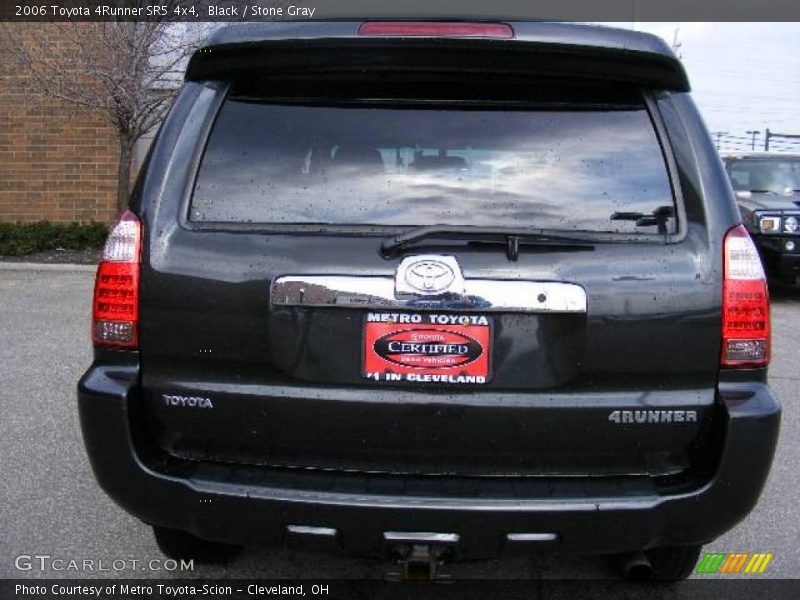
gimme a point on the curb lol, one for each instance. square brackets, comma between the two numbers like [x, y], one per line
[32, 266]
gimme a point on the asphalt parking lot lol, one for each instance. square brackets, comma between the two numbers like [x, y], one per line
[51, 504]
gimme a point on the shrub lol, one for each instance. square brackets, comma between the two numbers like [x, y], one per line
[17, 239]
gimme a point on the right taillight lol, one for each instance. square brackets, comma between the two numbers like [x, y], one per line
[115, 310]
[745, 304]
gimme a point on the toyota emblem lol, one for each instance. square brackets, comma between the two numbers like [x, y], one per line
[430, 276]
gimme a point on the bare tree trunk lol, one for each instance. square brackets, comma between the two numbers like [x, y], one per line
[126, 72]
[126, 143]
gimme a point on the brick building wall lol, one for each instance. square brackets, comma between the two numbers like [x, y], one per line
[56, 162]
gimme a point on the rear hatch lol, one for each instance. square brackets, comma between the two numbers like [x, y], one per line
[418, 274]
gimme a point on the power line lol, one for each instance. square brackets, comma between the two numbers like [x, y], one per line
[746, 141]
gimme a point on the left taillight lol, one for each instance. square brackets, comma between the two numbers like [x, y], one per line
[115, 310]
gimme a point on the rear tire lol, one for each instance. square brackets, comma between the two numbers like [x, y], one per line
[672, 563]
[667, 563]
[182, 545]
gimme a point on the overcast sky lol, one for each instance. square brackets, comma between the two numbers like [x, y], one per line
[744, 76]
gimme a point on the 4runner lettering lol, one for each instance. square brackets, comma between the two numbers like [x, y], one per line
[653, 416]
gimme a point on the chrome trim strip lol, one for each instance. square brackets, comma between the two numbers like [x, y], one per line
[484, 295]
[309, 530]
[421, 537]
[532, 537]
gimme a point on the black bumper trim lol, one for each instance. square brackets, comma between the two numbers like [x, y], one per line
[246, 514]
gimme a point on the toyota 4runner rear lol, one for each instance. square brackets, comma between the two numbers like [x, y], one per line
[434, 291]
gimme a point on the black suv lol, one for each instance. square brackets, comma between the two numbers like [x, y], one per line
[435, 291]
[767, 187]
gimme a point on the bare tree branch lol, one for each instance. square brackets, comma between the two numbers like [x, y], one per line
[124, 71]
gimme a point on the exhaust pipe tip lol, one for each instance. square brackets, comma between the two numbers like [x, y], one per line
[635, 566]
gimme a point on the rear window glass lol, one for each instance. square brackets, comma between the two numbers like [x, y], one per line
[558, 167]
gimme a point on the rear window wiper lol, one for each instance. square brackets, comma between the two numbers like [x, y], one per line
[512, 237]
[658, 218]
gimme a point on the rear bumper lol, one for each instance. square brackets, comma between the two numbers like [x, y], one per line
[220, 507]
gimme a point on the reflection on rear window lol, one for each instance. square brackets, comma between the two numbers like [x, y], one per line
[346, 165]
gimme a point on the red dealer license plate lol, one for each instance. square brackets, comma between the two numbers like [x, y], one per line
[427, 348]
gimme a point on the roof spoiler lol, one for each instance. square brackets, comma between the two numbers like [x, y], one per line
[537, 50]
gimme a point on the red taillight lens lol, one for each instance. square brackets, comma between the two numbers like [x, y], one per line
[435, 29]
[115, 311]
[745, 304]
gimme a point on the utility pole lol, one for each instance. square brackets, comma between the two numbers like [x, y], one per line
[783, 138]
[753, 133]
[717, 135]
[766, 141]
[677, 45]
